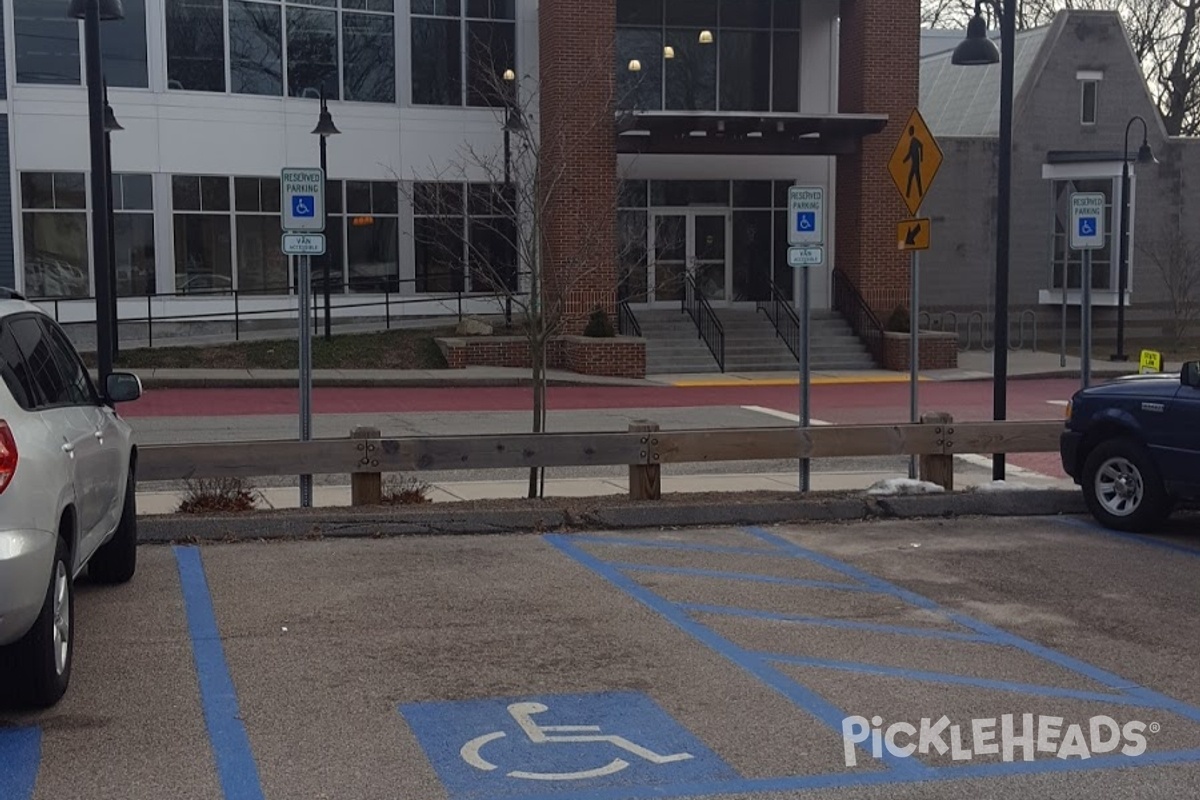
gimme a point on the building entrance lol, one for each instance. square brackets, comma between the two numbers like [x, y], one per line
[690, 242]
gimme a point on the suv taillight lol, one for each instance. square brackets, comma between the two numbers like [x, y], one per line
[8, 456]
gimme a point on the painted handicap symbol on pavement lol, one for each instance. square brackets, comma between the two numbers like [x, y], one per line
[1087, 226]
[496, 748]
[20, 753]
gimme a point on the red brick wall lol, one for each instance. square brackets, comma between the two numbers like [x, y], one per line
[619, 357]
[579, 162]
[937, 351]
[878, 74]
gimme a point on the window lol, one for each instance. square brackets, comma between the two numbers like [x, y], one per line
[15, 371]
[345, 46]
[261, 264]
[1065, 260]
[752, 62]
[466, 238]
[133, 235]
[54, 230]
[203, 238]
[460, 53]
[58, 377]
[78, 389]
[335, 233]
[1087, 110]
[48, 46]
[372, 236]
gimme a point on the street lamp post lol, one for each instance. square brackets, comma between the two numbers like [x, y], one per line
[1145, 156]
[110, 125]
[513, 123]
[978, 49]
[92, 12]
[325, 128]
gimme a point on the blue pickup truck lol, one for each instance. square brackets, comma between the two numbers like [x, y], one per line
[1134, 447]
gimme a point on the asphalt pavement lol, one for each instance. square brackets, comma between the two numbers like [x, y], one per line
[739, 663]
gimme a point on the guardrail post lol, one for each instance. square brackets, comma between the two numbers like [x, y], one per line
[366, 488]
[938, 467]
[645, 480]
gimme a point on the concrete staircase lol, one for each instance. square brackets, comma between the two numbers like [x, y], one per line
[751, 344]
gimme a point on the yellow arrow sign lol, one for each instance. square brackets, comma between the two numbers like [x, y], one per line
[913, 234]
[915, 161]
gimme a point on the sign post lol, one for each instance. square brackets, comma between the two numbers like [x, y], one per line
[1087, 234]
[302, 208]
[806, 237]
[914, 164]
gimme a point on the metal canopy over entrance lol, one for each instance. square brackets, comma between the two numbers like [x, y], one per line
[743, 133]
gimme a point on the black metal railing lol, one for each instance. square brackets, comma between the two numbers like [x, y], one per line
[627, 324]
[782, 314]
[858, 314]
[696, 305]
[384, 299]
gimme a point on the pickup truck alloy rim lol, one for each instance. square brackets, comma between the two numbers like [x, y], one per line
[1119, 486]
[62, 618]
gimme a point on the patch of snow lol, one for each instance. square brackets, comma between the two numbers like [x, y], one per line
[1010, 486]
[899, 486]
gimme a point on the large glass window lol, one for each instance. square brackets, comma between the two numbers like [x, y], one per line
[369, 57]
[466, 238]
[196, 45]
[203, 234]
[445, 72]
[47, 43]
[255, 47]
[703, 55]
[373, 236]
[133, 234]
[261, 264]
[123, 47]
[54, 231]
[312, 51]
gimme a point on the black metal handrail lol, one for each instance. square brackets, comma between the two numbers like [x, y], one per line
[627, 324]
[391, 300]
[696, 305]
[858, 314]
[783, 317]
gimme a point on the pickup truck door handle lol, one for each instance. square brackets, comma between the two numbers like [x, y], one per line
[100, 436]
[68, 448]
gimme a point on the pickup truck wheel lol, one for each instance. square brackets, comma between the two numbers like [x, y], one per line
[116, 561]
[40, 662]
[1122, 487]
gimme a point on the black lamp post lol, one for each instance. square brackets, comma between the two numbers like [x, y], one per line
[1145, 156]
[325, 128]
[110, 125]
[978, 49]
[92, 12]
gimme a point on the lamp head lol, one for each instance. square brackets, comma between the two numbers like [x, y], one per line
[509, 75]
[668, 52]
[706, 37]
[325, 126]
[1145, 154]
[110, 120]
[977, 49]
[635, 65]
[109, 9]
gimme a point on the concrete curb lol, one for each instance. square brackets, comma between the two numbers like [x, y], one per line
[597, 514]
[361, 383]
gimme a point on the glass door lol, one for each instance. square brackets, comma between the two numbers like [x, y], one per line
[689, 243]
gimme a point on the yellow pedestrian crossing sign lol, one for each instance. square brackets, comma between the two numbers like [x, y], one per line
[915, 161]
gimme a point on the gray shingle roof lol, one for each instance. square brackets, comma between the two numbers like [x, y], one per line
[965, 101]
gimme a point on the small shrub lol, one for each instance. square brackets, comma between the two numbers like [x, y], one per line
[599, 325]
[218, 495]
[898, 322]
[405, 491]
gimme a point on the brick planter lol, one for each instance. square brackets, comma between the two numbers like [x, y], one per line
[618, 357]
[939, 350]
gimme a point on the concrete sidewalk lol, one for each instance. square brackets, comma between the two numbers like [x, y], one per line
[971, 366]
[166, 502]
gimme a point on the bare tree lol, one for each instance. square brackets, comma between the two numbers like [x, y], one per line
[481, 222]
[1165, 35]
[1176, 259]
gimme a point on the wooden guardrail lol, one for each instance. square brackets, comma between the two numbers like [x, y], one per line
[366, 455]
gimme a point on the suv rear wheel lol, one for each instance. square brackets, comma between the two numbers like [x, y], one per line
[1123, 488]
[40, 662]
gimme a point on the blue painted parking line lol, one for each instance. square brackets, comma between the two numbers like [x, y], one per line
[20, 755]
[236, 769]
[520, 747]
[661, 544]
[743, 576]
[761, 665]
[830, 622]
[1150, 541]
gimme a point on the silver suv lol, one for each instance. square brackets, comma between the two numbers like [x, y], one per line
[67, 495]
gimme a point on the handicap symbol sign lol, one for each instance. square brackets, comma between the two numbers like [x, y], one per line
[303, 205]
[806, 221]
[1087, 226]
[548, 745]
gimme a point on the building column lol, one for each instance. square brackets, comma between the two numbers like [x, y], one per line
[578, 169]
[879, 73]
